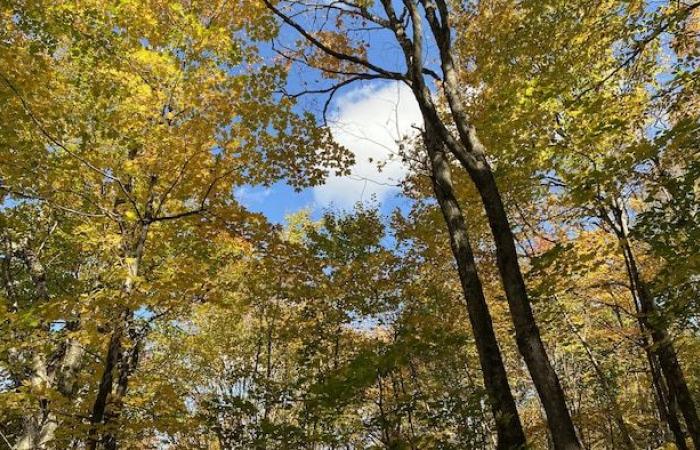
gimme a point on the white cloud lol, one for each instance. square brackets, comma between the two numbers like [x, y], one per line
[368, 122]
[249, 195]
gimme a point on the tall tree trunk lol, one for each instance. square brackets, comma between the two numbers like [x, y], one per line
[118, 360]
[55, 371]
[526, 331]
[664, 350]
[649, 316]
[127, 365]
[667, 408]
[508, 426]
[39, 428]
[104, 390]
[472, 155]
[667, 411]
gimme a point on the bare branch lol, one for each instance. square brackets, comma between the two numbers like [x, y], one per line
[638, 49]
[388, 74]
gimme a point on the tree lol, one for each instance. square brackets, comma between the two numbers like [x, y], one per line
[159, 134]
[411, 28]
[143, 305]
[594, 109]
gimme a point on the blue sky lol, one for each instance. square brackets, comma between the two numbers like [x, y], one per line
[367, 118]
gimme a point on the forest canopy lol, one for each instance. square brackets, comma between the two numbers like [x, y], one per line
[349, 224]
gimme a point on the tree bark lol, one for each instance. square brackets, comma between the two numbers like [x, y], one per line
[664, 350]
[54, 371]
[649, 317]
[667, 408]
[508, 426]
[127, 365]
[527, 333]
[99, 408]
[117, 360]
[40, 430]
[471, 154]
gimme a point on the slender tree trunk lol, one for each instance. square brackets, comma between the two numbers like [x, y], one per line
[118, 360]
[527, 333]
[471, 154]
[508, 426]
[99, 407]
[39, 427]
[613, 406]
[127, 366]
[670, 407]
[664, 350]
[667, 412]
[649, 317]
[56, 371]
[529, 342]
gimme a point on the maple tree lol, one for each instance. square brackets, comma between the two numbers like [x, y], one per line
[158, 134]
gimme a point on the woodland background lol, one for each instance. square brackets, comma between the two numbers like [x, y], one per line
[522, 268]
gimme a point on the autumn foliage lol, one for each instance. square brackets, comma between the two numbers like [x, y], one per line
[539, 286]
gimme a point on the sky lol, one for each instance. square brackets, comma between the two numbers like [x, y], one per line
[367, 119]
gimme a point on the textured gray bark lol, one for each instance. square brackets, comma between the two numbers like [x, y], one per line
[472, 155]
[55, 371]
[39, 428]
[527, 333]
[664, 350]
[508, 426]
[58, 372]
[106, 406]
[650, 320]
